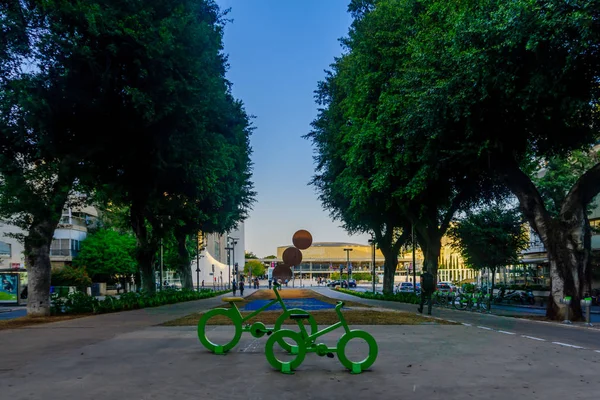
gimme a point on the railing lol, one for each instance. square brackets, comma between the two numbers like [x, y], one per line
[77, 221]
[63, 253]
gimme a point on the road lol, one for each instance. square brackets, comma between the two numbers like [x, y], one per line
[13, 313]
[513, 310]
[535, 331]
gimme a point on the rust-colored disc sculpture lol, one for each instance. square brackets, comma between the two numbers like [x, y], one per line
[282, 272]
[292, 256]
[302, 239]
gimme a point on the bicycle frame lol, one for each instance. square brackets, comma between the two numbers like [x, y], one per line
[278, 299]
[310, 339]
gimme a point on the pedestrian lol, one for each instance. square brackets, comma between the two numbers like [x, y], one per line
[202, 282]
[241, 288]
[270, 283]
[234, 287]
[427, 286]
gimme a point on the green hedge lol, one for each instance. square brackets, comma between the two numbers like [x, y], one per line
[81, 303]
[401, 297]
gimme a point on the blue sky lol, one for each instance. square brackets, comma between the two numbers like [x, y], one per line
[278, 50]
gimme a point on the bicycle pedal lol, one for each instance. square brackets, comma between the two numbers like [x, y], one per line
[330, 355]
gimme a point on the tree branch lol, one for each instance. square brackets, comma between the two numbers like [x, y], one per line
[585, 189]
[530, 200]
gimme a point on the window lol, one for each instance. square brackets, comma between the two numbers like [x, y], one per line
[60, 247]
[5, 249]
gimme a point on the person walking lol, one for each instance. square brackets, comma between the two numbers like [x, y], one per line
[427, 286]
[234, 287]
[241, 288]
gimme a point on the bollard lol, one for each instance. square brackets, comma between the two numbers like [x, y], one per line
[567, 302]
[587, 303]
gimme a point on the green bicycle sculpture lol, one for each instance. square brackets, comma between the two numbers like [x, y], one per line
[257, 329]
[306, 343]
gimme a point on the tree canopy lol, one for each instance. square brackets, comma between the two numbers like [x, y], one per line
[107, 253]
[435, 106]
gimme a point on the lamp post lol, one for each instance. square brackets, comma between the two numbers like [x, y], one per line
[198, 261]
[233, 242]
[414, 262]
[348, 263]
[229, 263]
[372, 242]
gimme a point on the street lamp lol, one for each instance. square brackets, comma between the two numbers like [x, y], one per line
[229, 262]
[348, 263]
[414, 259]
[233, 242]
[198, 261]
[372, 242]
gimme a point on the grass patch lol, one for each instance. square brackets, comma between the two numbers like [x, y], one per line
[361, 315]
[24, 322]
[323, 318]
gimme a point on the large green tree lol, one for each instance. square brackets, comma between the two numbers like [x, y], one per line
[107, 254]
[52, 124]
[490, 238]
[528, 68]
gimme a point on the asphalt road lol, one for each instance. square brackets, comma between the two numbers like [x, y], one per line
[14, 313]
[565, 335]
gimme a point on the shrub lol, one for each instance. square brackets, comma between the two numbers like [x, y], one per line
[81, 303]
[401, 297]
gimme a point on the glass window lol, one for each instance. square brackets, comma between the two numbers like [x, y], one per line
[5, 249]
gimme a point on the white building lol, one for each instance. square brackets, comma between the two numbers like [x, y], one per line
[71, 230]
[216, 261]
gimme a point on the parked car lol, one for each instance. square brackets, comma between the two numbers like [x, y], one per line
[446, 287]
[333, 283]
[405, 287]
[351, 283]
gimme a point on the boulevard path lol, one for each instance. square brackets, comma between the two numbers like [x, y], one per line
[126, 355]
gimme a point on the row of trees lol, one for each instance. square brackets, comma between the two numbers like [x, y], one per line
[124, 104]
[437, 107]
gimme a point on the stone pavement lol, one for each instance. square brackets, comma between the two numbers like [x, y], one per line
[124, 355]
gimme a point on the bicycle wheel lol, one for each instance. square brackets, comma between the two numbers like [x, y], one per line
[282, 336]
[290, 347]
[216, 347]
[357, 366]
[460, 303]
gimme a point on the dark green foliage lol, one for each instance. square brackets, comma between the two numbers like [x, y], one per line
[401, 297]
[490, 238]
[80, 303]
[106, 254]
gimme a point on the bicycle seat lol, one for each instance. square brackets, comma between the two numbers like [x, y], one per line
[299, 316]
[232, 299]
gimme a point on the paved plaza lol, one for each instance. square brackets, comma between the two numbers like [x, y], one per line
[127, 355]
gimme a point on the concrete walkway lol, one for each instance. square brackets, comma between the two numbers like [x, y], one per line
[125, 355]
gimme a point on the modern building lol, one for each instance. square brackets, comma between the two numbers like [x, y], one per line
[325, 258]
[216, 261]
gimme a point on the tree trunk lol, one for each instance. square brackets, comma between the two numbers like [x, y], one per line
[183, 261]
[493, 270]
[389, 270]
[567, 238]
[146, 249]
[37, 255]
[431, 257]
